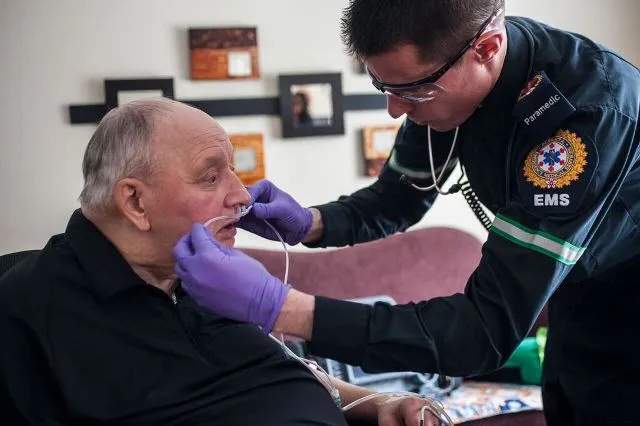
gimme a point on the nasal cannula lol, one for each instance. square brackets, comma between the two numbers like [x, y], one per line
[434, 406]
[243, 210]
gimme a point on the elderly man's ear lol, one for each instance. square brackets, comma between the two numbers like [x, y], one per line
[129, 195]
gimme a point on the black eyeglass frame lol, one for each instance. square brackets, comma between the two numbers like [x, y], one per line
[432, 78]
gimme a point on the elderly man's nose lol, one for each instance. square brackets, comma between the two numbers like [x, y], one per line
[238, 194]
[245, 196]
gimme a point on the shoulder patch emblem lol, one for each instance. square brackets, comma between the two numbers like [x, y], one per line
[531, 86]
[557, 162]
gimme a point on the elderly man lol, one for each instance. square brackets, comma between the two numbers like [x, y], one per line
[96, 329]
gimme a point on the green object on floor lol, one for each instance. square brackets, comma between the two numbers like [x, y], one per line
[541, 339]
[528, 360]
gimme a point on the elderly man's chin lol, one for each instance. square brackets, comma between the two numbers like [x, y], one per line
[227, 242]
[226, 236]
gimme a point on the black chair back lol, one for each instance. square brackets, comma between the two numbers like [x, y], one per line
[8, 261]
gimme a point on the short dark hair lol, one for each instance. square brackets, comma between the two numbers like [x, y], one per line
[437, 27]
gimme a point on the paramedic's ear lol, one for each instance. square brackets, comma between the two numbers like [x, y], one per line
[488, 45]
[128, 196]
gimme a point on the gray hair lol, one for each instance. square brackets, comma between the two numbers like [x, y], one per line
[120, 148]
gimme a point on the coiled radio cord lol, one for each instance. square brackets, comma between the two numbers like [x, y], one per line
[472, 199]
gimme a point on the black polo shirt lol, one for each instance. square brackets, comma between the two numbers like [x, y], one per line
[86, 341]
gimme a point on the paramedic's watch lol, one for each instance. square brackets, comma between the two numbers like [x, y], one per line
[227, 281]
[290, 219]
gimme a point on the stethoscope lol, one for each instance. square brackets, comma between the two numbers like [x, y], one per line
[457, 186]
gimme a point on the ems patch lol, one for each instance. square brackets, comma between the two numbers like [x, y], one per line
[556, 162]
[531, 86]
[555, 174]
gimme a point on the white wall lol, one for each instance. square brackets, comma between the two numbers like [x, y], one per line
[56, 53]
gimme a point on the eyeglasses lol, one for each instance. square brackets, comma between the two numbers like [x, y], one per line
[426, 89]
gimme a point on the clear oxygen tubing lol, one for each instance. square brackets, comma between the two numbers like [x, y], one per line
[243, 210]
[435, 407]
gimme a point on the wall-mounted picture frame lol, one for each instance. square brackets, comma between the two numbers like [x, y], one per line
[248, 156]
[121, 91]
[377, 144]
[229, 53]
[311, 104]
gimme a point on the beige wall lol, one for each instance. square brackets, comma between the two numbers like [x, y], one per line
[54, 53]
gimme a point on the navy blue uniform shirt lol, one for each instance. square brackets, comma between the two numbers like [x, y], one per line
[553, 153]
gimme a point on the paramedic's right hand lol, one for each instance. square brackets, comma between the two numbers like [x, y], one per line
[270, 203]
[227, 281]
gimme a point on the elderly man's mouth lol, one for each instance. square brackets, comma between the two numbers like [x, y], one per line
[228, 230]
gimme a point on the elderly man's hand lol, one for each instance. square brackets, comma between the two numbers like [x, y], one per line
[405, 412]
[270, 203]
[227, 281]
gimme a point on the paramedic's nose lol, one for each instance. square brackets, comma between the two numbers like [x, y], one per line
[397, 107]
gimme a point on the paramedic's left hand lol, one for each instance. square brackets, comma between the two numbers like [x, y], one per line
[404, 412]
[290, 219]
[227, 281]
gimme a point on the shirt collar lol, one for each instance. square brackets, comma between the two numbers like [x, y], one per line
[514, 75]
[105, 266]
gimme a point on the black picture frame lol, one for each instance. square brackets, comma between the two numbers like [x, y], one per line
[290, 129]
[234, 107]
[114, 86]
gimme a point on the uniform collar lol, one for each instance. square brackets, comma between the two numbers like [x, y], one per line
[514, 75]
[101, 261]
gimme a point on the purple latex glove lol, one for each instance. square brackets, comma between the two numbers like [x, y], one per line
[227, 281]
[290, 219]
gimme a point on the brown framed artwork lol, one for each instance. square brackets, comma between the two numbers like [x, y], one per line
[248, 156]
[377, 143]
[224, 53]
